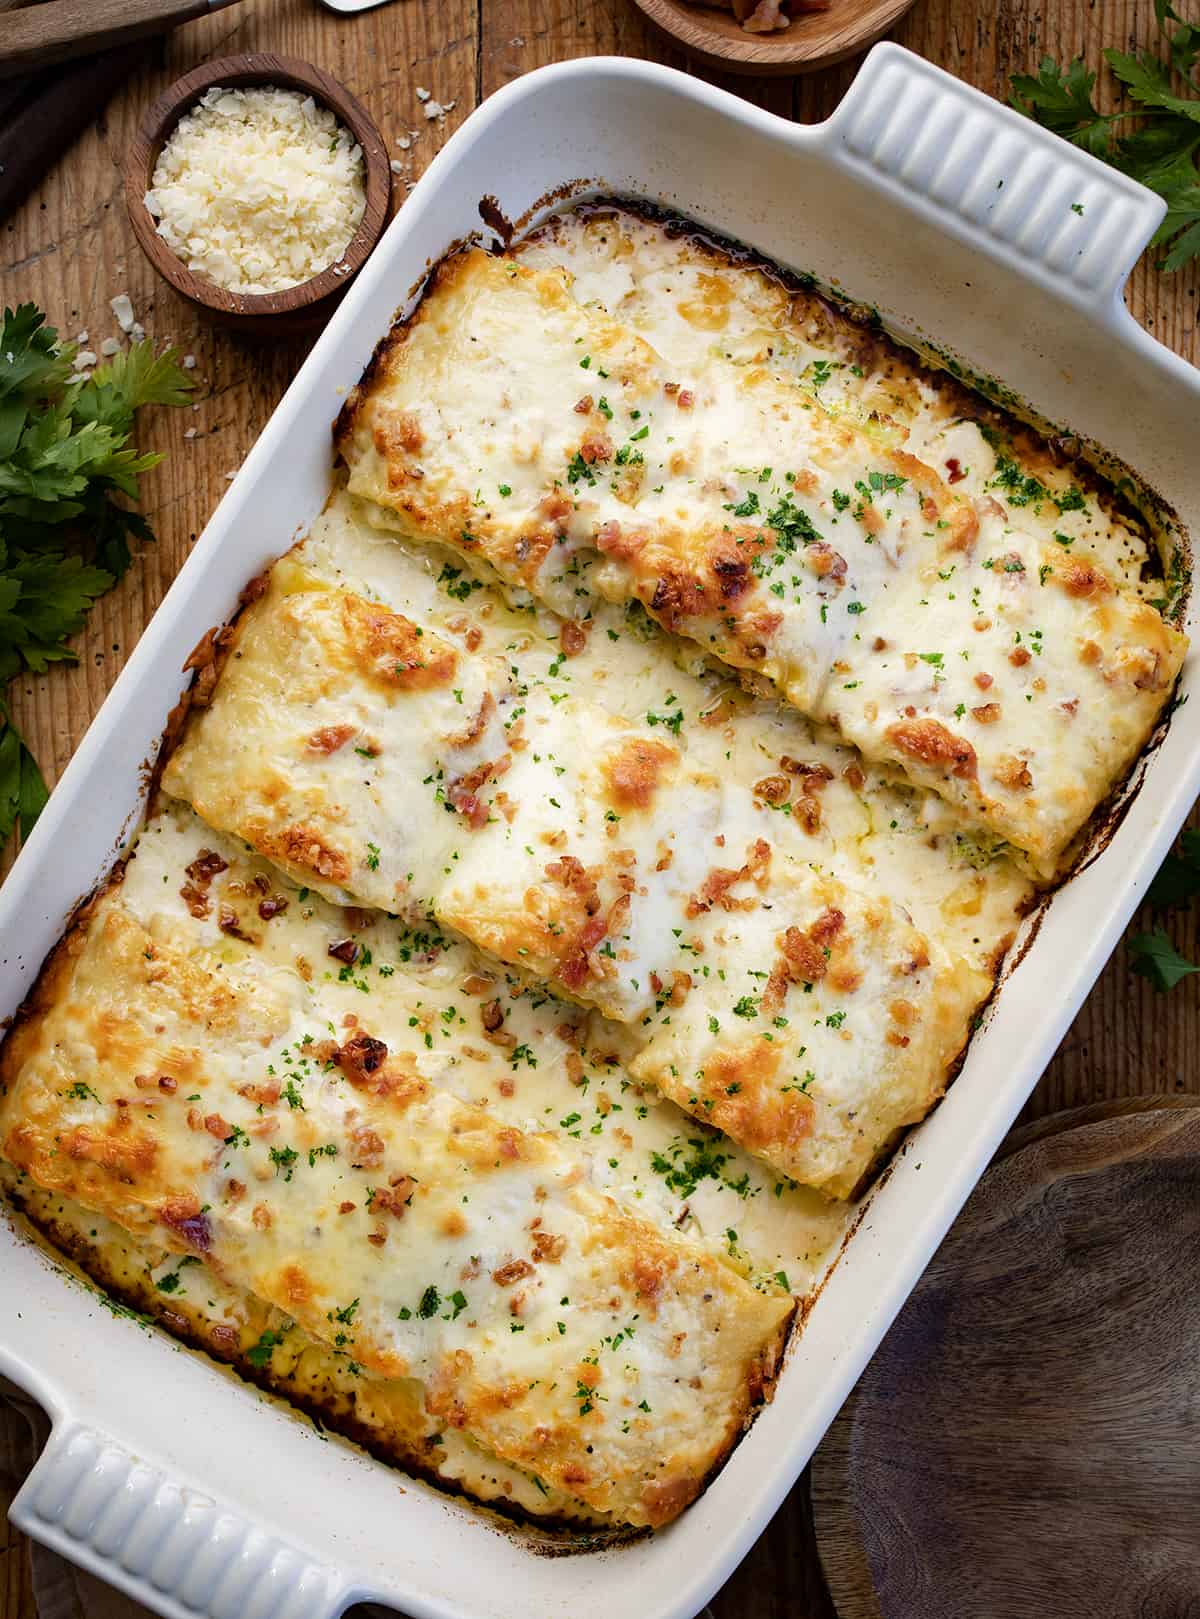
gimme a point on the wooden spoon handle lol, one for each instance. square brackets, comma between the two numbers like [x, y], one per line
[60, 29]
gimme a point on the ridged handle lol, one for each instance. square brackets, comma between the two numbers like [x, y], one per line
[993, 177]
[172, 1548]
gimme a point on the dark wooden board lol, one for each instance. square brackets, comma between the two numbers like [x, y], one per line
[1026, 1443]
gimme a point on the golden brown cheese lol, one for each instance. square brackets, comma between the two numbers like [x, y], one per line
[781, 538]
[398, 1226]
[598, 862]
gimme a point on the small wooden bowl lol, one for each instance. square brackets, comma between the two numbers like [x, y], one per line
[267, 313]
[812, 40]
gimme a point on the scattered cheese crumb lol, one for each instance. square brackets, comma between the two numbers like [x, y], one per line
[189, 362]
[137, 332]
[258, 189]
[189, 432]
[422, 94]
[123, 311]
[110, 346]
[396, 166]
[81, 337]
[404, 142]
[84, 360]
[434, 109]
[230, 476]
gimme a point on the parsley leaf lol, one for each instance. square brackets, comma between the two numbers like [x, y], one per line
[1162, 153]
[1157, 959]
[64, 536]
[1178, 878]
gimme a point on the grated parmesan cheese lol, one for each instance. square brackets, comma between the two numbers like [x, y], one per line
[258, 189]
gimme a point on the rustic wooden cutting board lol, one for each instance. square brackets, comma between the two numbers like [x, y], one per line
[1026, 1443]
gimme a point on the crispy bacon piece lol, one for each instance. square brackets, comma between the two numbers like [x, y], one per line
[344, 950]
[573, 637]
[513, 1271]
[361, 1057]
[330, 738]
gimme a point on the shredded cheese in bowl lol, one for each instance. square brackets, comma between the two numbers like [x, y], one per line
[259, 189]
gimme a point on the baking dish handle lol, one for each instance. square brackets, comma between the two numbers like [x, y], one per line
[992, 177]
[171, 1547]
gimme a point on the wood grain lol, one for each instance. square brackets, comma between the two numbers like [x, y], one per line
[60, 29]
[70, 249]
[813, 40]
[1020, 1448]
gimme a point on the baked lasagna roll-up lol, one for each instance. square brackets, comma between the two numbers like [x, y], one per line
[395, 1223]
[510, 423]
[592, 857]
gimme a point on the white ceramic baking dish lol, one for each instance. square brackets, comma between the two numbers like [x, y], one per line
[956, 218]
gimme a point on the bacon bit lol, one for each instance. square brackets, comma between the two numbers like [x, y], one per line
[574, 1067]
[1069, 707]
[1089, 652]
[955, 469]
[275, 906]
[330, 738]
[685, 399]
[394, 1199]
[805, 481]
[344, 950]
[584, 405]
[879, 644]
[670, 388]
[648, 1277]
[183, 1216]
[167, 1085]
[573, 637]
[205, 867]
[377, 1238]
[1013, 772]
[806, 951]
[468, 803]
[491, 1015]
[266, 1091]
[1019, 657]
[773, 789]
[366, 1149]
[825, 562]
[986, 713]
[230, 922]
[505, 1275]
[681, 984]
[714, 890]
[932, 744]
[506, 1086]
[347, 1207]
[983, 681]
[548, 1249]
[853, 776]
[597, 447]
[261, 1217]
[361, 1057]
[216, 1126]
[195, 900]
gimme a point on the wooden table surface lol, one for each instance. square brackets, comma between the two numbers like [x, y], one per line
[70, 250]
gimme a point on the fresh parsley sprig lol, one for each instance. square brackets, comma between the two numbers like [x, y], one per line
[1176, 883]
[64, 538]
[1161, 151]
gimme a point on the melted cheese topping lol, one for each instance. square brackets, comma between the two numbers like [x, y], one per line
[391, 1220]
[589, 855]
[780, 537]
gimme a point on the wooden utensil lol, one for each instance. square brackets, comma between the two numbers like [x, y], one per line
[812, 40]
[1024, 1442]
[40, 116]
[266, 313]
[59, 29]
